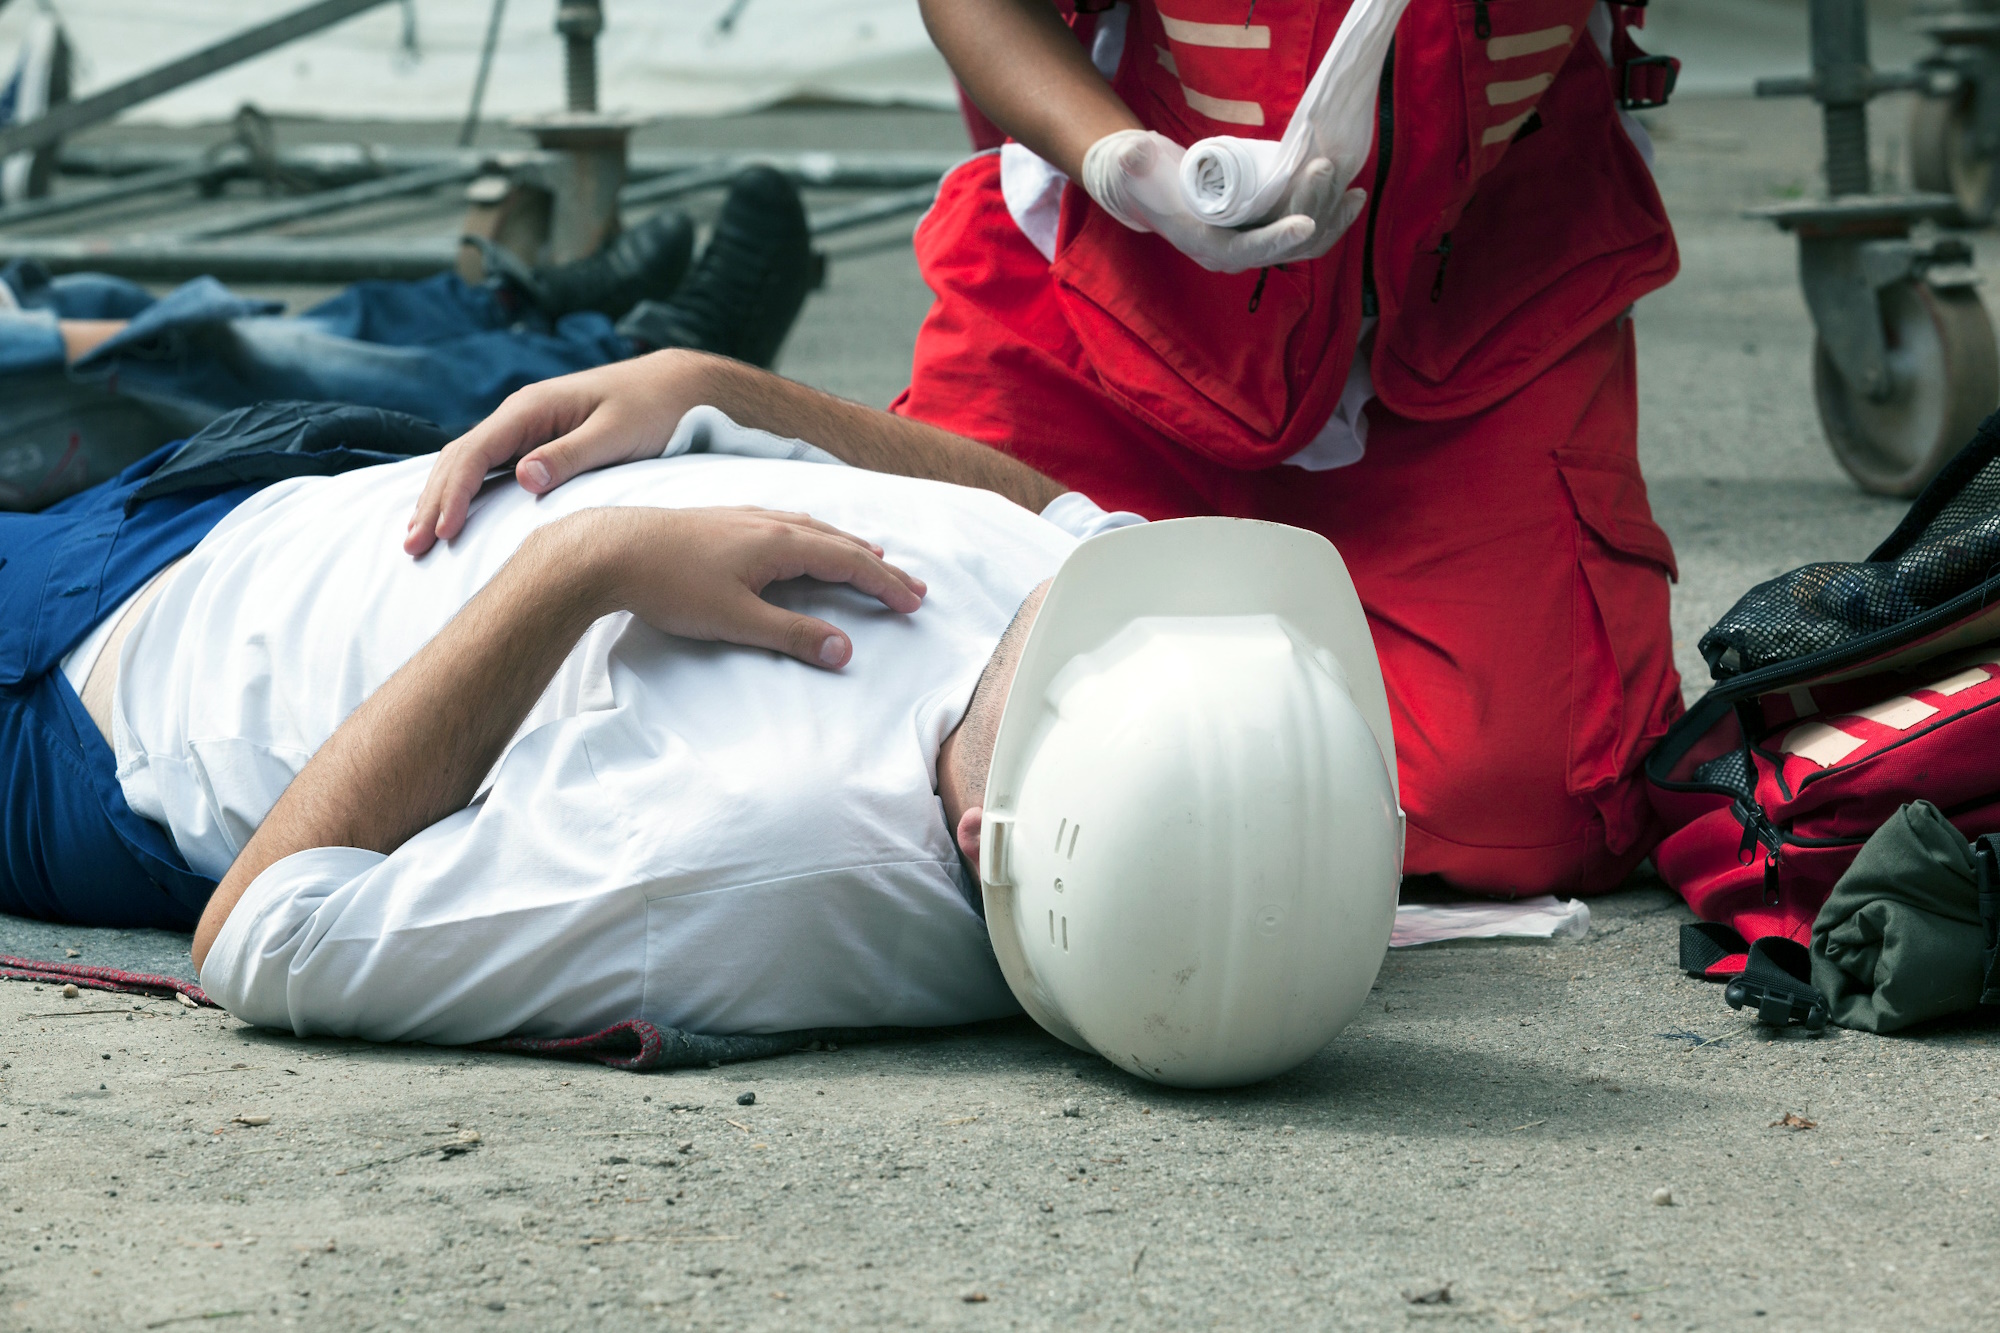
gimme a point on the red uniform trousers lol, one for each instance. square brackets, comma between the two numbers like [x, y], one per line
[1514, 578]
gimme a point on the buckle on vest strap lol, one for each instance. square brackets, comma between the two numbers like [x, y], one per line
[1647, 81]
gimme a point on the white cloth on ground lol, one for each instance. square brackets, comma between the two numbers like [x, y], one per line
[1539, 918]
[1235, 182]
[706, 837]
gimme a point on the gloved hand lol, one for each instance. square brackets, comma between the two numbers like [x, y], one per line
[1135, 176]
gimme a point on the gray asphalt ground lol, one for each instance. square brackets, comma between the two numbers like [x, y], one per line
[1495, 1125]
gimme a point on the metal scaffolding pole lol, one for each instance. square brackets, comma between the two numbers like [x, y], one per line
[879, 209]
[332, 201]
[171, 259]
[85, 112]
[817, 170]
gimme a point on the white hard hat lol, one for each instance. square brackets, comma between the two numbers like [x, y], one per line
[1192, 843]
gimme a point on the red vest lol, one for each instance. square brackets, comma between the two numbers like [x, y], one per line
[1514, 218]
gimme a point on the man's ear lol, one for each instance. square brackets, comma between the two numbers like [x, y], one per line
[968, 835]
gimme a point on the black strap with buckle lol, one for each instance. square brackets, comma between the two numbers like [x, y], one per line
[1777, 979]
[1646, 82]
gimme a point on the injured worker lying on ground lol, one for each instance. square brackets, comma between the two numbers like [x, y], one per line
[655, 745]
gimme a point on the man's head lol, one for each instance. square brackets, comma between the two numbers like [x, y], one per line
[967, 753]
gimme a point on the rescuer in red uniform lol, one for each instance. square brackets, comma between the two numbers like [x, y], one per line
[1496, 523]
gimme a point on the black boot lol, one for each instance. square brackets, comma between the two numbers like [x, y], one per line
[747, 288]
[645, 263]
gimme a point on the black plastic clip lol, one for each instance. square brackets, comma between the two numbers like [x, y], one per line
[1777, 978]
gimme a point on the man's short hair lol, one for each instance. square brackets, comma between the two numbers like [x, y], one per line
[981, 723]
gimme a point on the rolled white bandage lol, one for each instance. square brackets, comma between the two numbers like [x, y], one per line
[1233, 182]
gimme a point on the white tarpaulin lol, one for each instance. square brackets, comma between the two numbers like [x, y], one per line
[416, 60]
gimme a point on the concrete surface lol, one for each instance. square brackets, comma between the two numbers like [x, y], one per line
[1497, 1122]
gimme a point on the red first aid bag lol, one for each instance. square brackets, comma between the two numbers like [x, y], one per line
[1843, 691]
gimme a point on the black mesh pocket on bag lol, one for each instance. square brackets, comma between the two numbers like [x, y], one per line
[1947, 545]
[1729, 771]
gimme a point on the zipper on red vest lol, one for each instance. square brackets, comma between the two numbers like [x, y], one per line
[1443, 252]
[1482, 25]
[1385, 143]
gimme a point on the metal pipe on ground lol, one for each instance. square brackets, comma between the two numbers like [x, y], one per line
[832, 171]
[878, 209]
[171, 259]
[332, 201]
[70, 117]
[676, 184]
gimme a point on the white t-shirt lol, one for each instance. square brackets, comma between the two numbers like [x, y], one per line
[707, 837]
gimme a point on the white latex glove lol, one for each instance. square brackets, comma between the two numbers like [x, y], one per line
[1135, 175]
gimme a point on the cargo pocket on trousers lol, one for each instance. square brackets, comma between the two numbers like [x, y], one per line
[1621, 641]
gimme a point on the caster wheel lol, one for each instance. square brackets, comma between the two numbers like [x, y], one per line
[1946, 377]
[1945, 160]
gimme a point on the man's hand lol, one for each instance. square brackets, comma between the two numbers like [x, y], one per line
[416, 750]
[552, 431]
[618, 413]
[700, 574]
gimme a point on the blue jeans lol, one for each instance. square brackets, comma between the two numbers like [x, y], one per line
[441, 348]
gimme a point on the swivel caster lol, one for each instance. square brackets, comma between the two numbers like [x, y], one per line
[1944, 377]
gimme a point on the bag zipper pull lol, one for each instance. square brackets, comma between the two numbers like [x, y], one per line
[1482, 26]
[1252, 14]
[1257, 292]
[1757, 828]
[1443, 252]
[1746, 851]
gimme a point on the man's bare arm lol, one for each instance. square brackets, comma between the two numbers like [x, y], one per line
[559, 428]
[417, 750]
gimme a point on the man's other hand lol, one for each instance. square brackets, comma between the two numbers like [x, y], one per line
[701, 573]
[550, 432]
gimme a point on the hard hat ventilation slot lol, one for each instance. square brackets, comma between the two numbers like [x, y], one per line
[1061, 829]
[1074, 829]
[1052, 925]
[1065, 934]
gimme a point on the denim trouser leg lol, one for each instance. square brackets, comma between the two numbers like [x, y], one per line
[439, 349]
[30, 337]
